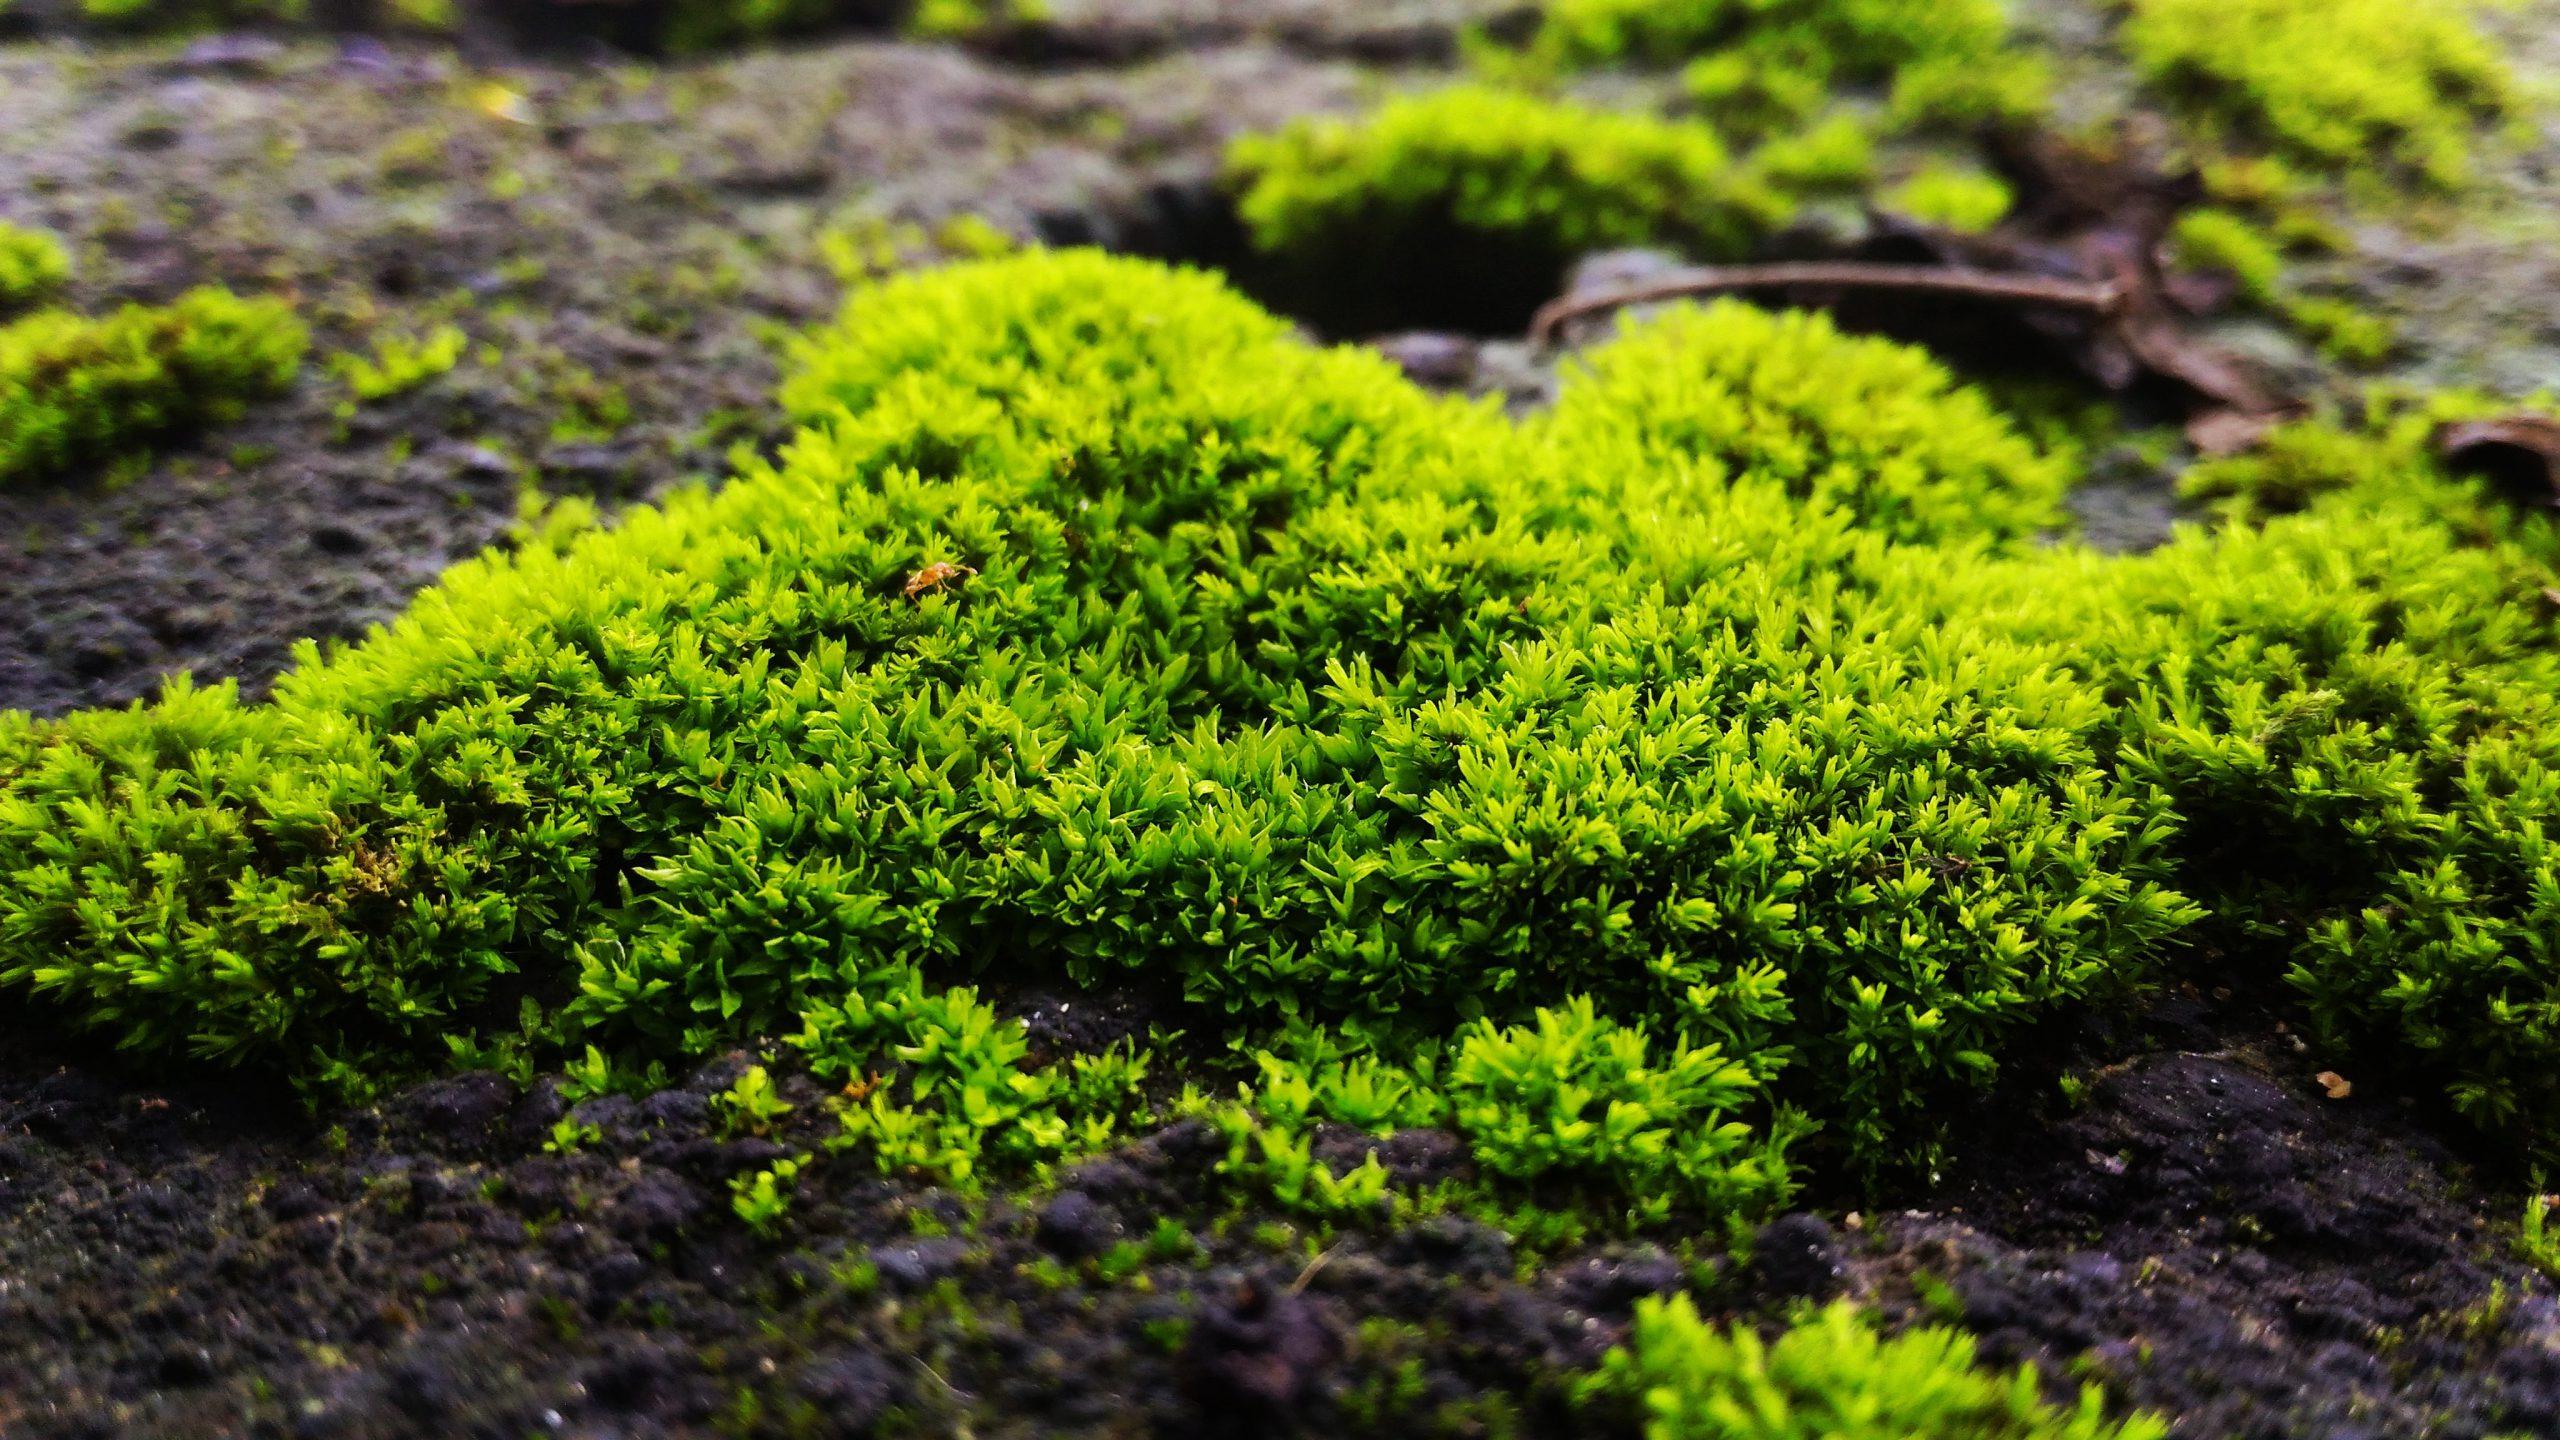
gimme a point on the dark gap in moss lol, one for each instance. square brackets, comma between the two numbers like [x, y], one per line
[1446, 278]
[658, 29]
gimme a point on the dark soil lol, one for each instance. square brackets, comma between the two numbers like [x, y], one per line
[2205, 1230]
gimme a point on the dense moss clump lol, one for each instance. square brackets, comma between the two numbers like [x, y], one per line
[1465, 206]
[32, 266]
[2338, 86]
[2351, 709]
[1099, 627]
[1871, 429]
[1481, 196]
[1765, 64]
[1830, 1376]
[1712, 776]
[76, 390]
[136, 15]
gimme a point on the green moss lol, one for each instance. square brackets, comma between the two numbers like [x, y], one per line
[960, 19]
[1963, 200]
[693, 27]
[1497, 164]
[1723, 752]
[2340, 86]
[191, 14]
[2351, 708]
[32, 266]
[1830, 1376]
[2218, 239]
[1491, 191]
[1249, 670]
[1764, 66]
[77, 391]
[401, 363]
[1837, 154]
[1874, 430]
[1575, 1099]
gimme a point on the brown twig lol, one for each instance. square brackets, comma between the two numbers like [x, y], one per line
[1834, 275]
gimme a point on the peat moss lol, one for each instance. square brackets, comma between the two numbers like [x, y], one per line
[76, 390]
[2342, 87]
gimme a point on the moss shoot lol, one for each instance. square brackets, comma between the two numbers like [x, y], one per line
[2335, 86]
[1764, 66]
[32, 266]
[78, 391]
[1477, 198]
[1830, 1375]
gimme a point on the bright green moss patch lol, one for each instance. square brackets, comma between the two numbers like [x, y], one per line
[1714, 777]
[401, 363]
[77, 391]
[1966, 201]
[1767, 66]
[2351, 709]
[1830, 1376]
[1872, 429]
[959, 19]
[2339, 86]
[1468, 204]
[191, 14]
[32, 266]
[1491, 191]
[1104, 630]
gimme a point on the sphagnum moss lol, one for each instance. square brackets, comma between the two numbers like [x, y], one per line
[1630, 792]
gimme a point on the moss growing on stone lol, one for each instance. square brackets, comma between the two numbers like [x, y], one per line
[32, 266]
[2350, 708]
[1967, 201]
[960, 19]
[76, 390]
[1771, 66]
[1101, 625]
[1725, 744]
[1870, 429]
[2219, 240]
[2337, 86]
[1831, 1376]
[1492, 191]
